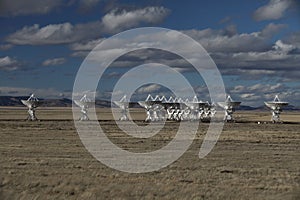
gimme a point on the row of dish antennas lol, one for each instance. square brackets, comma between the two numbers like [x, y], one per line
[33, 102]
[160, 108]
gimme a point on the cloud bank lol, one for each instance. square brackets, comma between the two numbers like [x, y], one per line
[66, 33]
[275, 9]
[9, 64]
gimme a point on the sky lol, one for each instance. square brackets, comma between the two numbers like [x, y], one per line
[254, 43]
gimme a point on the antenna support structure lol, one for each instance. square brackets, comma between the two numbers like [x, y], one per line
[276, 108]
[124, 105]
[32, 103]
[229, 107]
[84, 103]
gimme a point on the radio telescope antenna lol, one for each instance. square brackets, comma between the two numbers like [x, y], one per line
[153, 107]
[276, 107]
[229, 106]
[32, 103]
[124, 105]
[196, 108]
[84, 103]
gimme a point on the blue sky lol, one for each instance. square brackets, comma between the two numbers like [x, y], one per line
[255, 43]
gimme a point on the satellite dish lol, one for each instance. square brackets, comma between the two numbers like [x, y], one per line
[124, 105]
[229, 106]
[154, 108]
[84, 103]
[229, 103]
[276, 107]
[32, 103]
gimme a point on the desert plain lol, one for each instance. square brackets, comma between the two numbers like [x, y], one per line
[45, 159]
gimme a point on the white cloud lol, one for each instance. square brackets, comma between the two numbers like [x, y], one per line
[282, 59]
[279, 52]
[227, 40]
[120, 20]
[242, 47]
[214, 41]
[9, 64]
[275, 87]
[66, 33]
[247, 55]
[50, 34]
[256, 87]
[275, 9]
[80, 53]
[280, 46]
[271, 29]
[149, 89]
[250, 96]
[86, 46]
[260, 56]
[238, 88]
[16, 8]
[255, 95]
[54, 61]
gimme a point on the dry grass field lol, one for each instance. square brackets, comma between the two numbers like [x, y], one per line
[46, 160]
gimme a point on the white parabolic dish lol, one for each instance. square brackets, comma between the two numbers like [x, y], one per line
[84, 104]
[31, 104]
[276, 105]
[229, 104]
[122, 104]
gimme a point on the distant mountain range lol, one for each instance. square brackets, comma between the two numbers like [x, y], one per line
[64, 102]
[262, 107]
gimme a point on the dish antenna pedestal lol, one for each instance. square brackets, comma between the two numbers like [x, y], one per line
[84, 103]
[32, 103]
[229, 106]
[276, 107]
